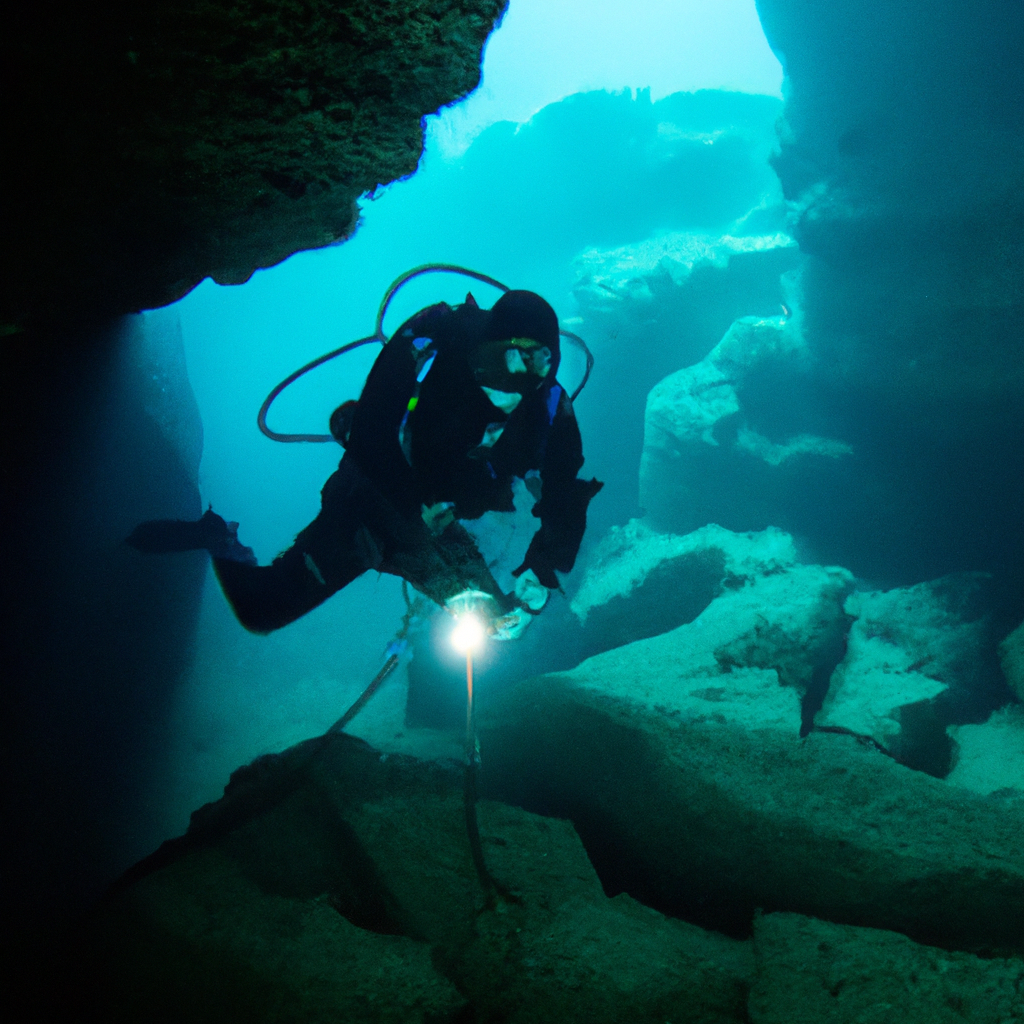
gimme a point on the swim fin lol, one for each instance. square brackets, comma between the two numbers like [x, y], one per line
[210, 533]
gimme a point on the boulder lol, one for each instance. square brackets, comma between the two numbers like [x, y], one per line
[817, 972]
[1011, 654]
[638, 583]
[771, 615]
[334, 882]
[907, 646]
[705, 458]
[679, 760]
[989, 758]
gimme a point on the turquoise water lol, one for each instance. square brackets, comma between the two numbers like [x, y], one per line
[770, 728]
[594, 192]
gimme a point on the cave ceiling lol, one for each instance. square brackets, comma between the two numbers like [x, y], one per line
[152, 144]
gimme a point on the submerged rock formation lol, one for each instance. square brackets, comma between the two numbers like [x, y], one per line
[915, 657]
[108, 435]
[900, 156]
[1011, 653]
[814, 972]
[639, 583]
[990, 756]
[335, 882]
[708, 458]
[692, 789]
[154, 144]
[719, 252]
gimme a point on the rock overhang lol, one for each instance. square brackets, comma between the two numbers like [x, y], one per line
[164, 142]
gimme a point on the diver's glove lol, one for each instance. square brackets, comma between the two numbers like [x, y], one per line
[530, 592]
[532, 595]
[511, 626]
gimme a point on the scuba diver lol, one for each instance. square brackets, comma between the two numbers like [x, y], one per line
[460, 401]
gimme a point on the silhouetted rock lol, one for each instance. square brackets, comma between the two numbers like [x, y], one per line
[900, 156]
[108, 435]
[157, 143]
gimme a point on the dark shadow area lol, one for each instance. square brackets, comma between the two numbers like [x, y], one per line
[97, 634]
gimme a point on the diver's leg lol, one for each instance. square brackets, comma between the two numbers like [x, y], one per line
[267, 597]
[210, 533]
[327, 555]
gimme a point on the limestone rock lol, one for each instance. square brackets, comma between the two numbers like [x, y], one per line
[689, 767]
[638, 583]
[907, 209]
[663, 300]
[704, 459]
[627, 274]
[906, 646]
[332, 882]
[165, 141]
[1011, 652]
[990, 756]
[201, 941]
[757, 643]
[815, 972]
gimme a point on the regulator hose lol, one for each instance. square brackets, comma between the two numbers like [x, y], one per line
[380, 337]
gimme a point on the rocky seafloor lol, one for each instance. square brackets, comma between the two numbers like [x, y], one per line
[687, 827]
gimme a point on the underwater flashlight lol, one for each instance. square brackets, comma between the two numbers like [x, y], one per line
[468, 634]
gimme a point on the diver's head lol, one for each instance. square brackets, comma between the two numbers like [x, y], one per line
[520, 351]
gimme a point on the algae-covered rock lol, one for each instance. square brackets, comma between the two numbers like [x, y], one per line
[336, 883]
[816, 972]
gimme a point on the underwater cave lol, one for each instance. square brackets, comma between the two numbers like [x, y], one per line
[759, 755]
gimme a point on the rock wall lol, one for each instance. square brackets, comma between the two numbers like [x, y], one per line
[102, 432]
[901, 159]
[161, 142]
[332, 882]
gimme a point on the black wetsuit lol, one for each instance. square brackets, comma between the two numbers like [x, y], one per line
[425, 432]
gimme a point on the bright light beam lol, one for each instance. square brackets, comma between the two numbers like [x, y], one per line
[468, 634]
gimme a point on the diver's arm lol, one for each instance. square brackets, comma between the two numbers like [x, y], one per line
[562, 508]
